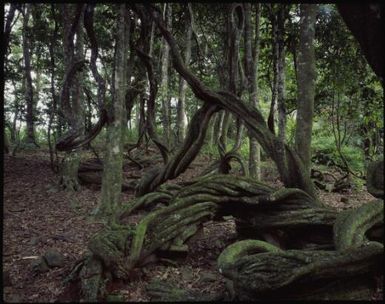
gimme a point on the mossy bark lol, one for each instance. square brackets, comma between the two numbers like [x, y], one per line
[306, 84]
[352, 225]
[113, 159]
[69, 171]
[276, 274]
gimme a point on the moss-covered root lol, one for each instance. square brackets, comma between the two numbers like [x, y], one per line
[351, 225]
[91, 280]
[111, 247]
[375, 179]
[163, 225]
[231, 254]
[295, 273]
[145, 201]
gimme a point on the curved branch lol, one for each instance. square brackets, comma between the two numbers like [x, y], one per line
[289, 168]
[190, 149]
[75, 140]
[89, 26]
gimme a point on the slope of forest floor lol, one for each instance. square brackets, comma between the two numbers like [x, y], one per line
[39, 216]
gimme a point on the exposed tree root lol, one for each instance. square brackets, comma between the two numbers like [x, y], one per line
[259, 207]
[261, 270]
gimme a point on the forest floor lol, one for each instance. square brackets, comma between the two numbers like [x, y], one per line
[39, 216]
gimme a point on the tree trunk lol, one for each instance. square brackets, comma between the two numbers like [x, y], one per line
[274, 84]
[181, 112]
[163, 89]
[53, 106]
[235, 26]
[290, 167]
[15, 113]
[28, 80]
[71, 101]
[225, 128]
[251, 68]
[281, 73]
[306, 83]
[113, 159]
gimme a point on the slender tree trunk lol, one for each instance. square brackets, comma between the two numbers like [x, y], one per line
[72, 106]
[218, 126]
[252, 55]
[163, 89]
[137, 115]
[53, 106]
[281, 73]
[8, 27]
[7, 32]
[225, 127]
[213, 123]
[28, 80]
[113, 157]
[306, 83]
[181, 112]
[15, 112]
[236, 74]
[274, 85]
[234, 29]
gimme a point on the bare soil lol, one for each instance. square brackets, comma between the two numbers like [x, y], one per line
[38, 216]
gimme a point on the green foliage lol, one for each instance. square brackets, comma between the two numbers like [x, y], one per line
[324, 142]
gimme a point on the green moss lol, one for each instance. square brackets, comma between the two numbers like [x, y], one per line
[234, 252]
[351, 225]
[287, 272]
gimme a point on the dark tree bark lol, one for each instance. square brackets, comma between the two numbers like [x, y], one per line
[7, 30]
[366, 22]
